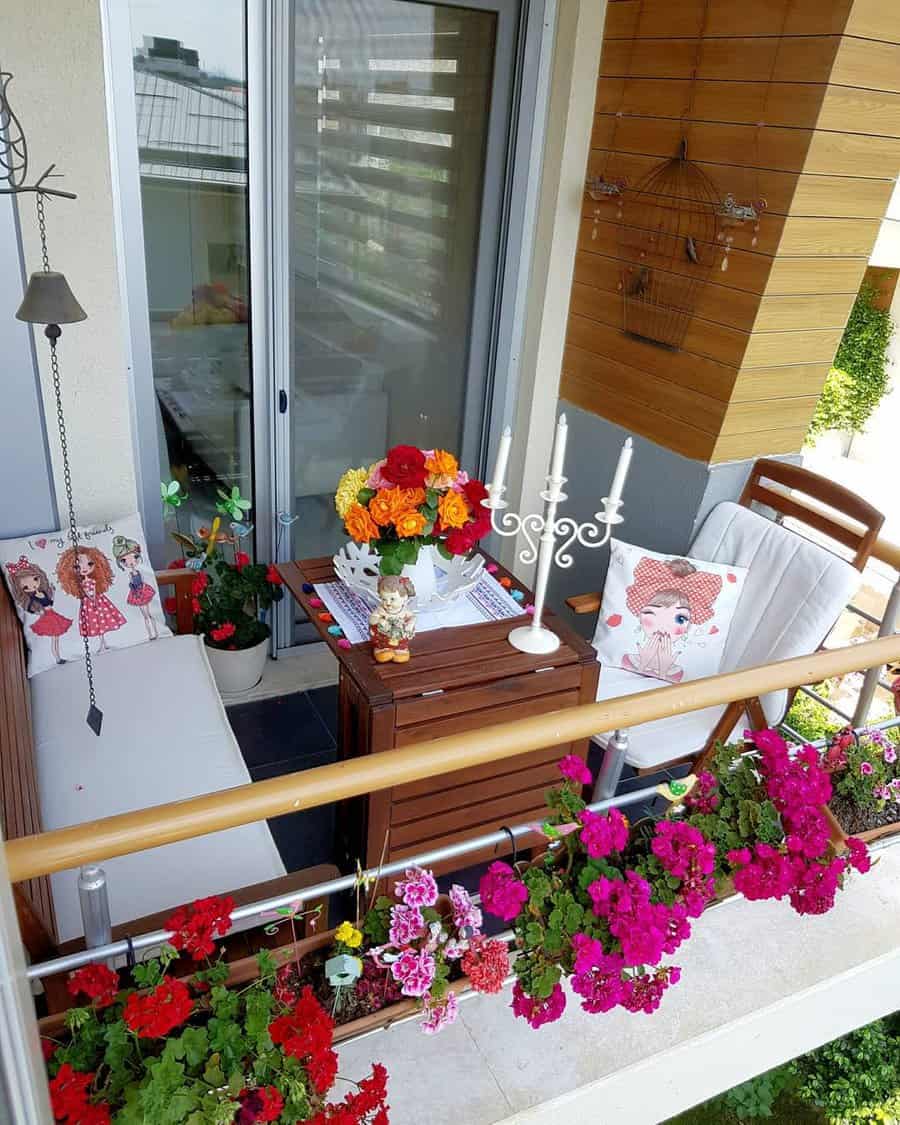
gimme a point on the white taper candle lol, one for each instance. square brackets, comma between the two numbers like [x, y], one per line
[615, 493]
[559, 449]
[500, 464]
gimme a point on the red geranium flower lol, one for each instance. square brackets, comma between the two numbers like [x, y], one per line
[199, 583]
[195, 607]
[222, 632]
[154, 1015]
[48, 1048]
[405, 466]
[486, 963]
[241, 560]
[195, 926]
[92, 1115]
[262, 1104]
[68, 1092]
[98, 982]
[305, 1034]
[177, 564]
[273, 576]
[170, 605]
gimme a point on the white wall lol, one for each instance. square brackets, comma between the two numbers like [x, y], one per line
[54, 49]
[886, 251]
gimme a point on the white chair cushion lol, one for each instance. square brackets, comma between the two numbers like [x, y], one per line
[165, 738]
[649, 744]
[793, 594]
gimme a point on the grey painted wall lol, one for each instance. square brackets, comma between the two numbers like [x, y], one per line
[28, 502]
[666, 497]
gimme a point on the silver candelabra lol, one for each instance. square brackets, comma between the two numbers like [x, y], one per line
[557, 535]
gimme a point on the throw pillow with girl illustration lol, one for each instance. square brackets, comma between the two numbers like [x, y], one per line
[664, 616]
[103, 591]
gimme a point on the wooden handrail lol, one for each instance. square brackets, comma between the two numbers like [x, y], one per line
[65, 848]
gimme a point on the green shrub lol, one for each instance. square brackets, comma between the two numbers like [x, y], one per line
[757, 1096]
[810, 719]
[859, 378]
[853, 1079]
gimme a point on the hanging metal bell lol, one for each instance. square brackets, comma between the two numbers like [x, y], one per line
[49, 300]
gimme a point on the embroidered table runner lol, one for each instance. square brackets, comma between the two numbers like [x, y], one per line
[486, 601]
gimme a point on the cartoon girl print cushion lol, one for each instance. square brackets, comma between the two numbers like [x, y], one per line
[106, 592]
[664, 617]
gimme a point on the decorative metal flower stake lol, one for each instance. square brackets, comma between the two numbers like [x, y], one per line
[48, 301]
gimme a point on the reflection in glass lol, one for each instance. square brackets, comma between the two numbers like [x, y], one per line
[391, 104]
[192, 139]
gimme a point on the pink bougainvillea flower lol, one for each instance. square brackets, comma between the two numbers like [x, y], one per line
[502, 893]
[573, 769]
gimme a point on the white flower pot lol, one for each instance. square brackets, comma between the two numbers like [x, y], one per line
[239, 670]
[422, 575]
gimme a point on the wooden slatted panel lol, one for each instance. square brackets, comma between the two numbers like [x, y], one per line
[795, 101]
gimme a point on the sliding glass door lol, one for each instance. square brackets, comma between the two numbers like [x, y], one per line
[398, 135]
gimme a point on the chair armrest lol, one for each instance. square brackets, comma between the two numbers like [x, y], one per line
[584, 603]
[182, 581]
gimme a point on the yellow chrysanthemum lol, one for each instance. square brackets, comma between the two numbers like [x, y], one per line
[348, 489]
[348, 935]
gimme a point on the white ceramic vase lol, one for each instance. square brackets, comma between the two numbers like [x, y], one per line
[422, 575]
[239, 670]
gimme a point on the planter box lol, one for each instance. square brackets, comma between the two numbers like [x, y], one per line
[869, 835]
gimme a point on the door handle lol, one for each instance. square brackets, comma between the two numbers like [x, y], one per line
[282, 402]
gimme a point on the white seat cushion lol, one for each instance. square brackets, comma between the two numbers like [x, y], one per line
[165, 738]
[793, 594]
[649, 744]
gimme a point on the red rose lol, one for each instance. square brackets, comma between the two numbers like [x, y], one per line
[98, 982]
[273, 576]
[461, 540]
[154, 1015]
[222, 632]
[241, 560]
[405, 467]
[170, 605]
[195, 926]
[68, 1092]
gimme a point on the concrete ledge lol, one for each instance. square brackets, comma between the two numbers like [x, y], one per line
[760, 985]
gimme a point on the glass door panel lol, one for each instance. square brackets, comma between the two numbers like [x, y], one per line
[390, 128]
[191, 105]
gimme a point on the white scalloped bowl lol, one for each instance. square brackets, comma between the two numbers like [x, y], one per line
[449, 579]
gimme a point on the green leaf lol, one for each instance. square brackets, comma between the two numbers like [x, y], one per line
[196, 1045]
[213, 1073]
[224, 1003]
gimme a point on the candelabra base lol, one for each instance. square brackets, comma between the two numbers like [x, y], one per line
[527, 638]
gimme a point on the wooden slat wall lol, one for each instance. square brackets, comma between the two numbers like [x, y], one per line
[824, 77]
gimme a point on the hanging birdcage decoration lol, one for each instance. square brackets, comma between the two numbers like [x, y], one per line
[669, 242]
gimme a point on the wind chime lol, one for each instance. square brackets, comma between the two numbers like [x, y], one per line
[49, 301]
[674, 226]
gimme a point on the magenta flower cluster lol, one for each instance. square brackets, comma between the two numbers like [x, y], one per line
[704, 796]
[536, 1011]
[414, 972]
[805, 870]
[645, 930]
[686, 853]
[502, 892]
[602, 835]
[418, 888]
[573, 769]
[466, 915]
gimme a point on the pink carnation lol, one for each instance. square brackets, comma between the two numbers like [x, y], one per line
[407, 924]
[418, 889]
[602, 835]
[865, 768]
[414, 972]
[538, 1012]
[574, 769]
[502, 894]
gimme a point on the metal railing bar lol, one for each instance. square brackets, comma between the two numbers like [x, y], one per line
[813, 694]
[125, 833]
[871, 618]
[321, 890]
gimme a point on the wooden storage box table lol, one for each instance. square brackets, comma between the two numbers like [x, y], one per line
[459, 679]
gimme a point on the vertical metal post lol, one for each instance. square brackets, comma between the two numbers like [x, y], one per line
[610, 772]
[94, 901]
[873, 675]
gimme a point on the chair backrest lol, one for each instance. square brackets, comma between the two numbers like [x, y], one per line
[794, 593]
[857, 530]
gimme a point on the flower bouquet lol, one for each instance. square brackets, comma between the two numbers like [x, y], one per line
[411, 499]
[865, 778]
[765, 813]
[191, 1050]
[602, 908]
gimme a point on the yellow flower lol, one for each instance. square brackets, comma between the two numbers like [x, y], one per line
[360, 525]
[348, 934]
[348, 489]
[453, 509]
[409, 524]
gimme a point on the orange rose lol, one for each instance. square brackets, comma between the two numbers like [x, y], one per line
[453, 510]
[381, 506]
[442, 464]
[402, 500]
[409, 524]
[360, 525]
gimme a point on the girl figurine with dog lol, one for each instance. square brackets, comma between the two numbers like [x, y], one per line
[392, 626]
